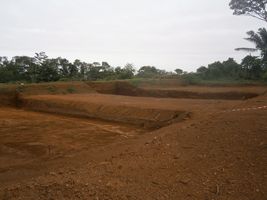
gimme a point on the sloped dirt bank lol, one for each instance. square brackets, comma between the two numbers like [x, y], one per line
[196, 95]
[72, 106]
[10, 97]
[125, 88]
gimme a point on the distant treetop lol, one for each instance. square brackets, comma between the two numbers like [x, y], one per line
[253, 8]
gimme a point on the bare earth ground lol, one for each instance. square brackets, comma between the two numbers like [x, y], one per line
[257, 89]
[212, 154]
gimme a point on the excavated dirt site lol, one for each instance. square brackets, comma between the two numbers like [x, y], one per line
[114, 140]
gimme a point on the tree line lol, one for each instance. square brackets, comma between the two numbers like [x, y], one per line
[40, 68]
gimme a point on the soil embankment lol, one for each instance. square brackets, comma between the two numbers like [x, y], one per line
[127, 89]
[81, 106]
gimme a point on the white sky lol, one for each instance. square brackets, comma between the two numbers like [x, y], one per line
[168, 34]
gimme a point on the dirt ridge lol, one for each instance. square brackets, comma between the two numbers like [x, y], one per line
[144, 117]
[127, 89]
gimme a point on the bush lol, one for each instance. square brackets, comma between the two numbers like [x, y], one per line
[52, 88]
[71, 90]
[265, 76]
[191, 79]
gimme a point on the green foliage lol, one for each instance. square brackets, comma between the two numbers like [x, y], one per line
[202, 71]
[135, 81]
[191, 79]
[252, 68]
[151, 72]
[40, 68]
[51, 89]
[179, 71]
[228, 69]
[125, 73]
[71, 90]
[259, 39]
[265, 76]
[48, 71]
[147, 72]
[43, 69]
[253, 8]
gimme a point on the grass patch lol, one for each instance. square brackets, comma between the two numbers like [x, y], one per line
[71, 90]
[52, 89]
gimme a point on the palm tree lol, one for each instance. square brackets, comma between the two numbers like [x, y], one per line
[260, 41]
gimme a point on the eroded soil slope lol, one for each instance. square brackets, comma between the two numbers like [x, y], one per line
[172, 90]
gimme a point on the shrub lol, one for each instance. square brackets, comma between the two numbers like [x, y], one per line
[71, 90]
[52, 88]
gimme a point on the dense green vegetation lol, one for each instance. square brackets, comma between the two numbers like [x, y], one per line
[40, 68]
[43, 69]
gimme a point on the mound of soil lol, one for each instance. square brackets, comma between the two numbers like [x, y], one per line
[69, 105]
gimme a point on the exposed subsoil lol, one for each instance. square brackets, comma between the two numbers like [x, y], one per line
[189, 92]
[105, 107]
[211, 154]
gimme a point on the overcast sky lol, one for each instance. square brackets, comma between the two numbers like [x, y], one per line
[168, 34]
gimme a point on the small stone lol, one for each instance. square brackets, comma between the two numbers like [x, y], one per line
[155, 183]
[52, 174]
[177, 156]
[184, 181]
[104, 163]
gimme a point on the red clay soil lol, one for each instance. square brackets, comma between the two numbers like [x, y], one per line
[29, 137]
[56, 88]
[99, 107]
[178, 91]
[142, 111]
[212, 155]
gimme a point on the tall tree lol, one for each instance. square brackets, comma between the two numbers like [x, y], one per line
[48, 71]
[148, 72]
[254, 8]
[21, 67]
[40, 57]
[251, 67]
[64, 67]
[179, 71]
[82, 68]
[260, 41]
[126, 72]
